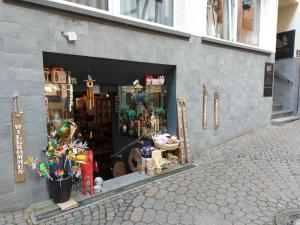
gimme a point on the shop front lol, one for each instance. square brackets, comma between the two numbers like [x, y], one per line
[125, 111]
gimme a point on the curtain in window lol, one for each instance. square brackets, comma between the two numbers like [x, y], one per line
[99, 4]
[218, 23]
[157, 11]
[248, 21]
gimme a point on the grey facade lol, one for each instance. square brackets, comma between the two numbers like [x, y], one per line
[26, 31]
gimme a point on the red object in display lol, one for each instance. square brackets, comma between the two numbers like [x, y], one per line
[87, 172]
[96, 167]
[148, 79]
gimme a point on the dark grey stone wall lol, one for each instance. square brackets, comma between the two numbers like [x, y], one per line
[28, 30]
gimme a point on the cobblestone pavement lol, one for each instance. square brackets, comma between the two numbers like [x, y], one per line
[245, 181]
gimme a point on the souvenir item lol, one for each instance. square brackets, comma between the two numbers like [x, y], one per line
[135, 160]
[90, 93]
[59, 76]
[64, 154]
[87, 172]
[98, 184]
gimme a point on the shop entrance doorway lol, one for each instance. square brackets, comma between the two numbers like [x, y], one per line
[127, 95]
[96, 127]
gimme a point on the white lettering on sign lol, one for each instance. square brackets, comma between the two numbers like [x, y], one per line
[19, 149]
[160, 80]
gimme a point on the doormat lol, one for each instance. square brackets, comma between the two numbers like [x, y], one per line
[42, 217]
[68, 205]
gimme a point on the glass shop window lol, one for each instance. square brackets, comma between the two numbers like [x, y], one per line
[58, 95]
[157, 11]
[99, 4]
[234, 20]
[142, 110]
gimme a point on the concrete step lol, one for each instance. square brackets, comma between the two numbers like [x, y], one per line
[281, 113]
[282, 120]
[277, 107]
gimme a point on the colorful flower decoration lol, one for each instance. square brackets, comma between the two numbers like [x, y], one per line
[64, 154]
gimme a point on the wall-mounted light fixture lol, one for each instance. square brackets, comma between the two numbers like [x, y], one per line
[71, 36]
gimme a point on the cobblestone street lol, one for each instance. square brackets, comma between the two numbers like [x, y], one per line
[245, 181]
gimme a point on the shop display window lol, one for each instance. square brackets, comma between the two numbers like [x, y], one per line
[156, 11]
[234, 20]
[142, 110]
[59, 95]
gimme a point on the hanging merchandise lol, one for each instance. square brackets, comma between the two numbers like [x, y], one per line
[90, 93]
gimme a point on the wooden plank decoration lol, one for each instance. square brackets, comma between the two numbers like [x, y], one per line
[216, 110]
[186, 134]
[18, 138]
[204, 112]
[184, 146]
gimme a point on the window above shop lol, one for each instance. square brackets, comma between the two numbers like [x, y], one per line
[157, 11]
[234, 20]
[156, 15]
[98, 4]
[153, 11]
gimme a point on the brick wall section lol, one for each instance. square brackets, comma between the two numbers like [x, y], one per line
[27, 30]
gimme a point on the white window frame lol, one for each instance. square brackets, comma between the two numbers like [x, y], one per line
[233, 30]
[116, 11]
[81, 6]
[114, 8]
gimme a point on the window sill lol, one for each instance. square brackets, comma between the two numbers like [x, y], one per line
[235, 44]
[102, 14]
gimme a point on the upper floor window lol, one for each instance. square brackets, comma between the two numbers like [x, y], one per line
[234, 20]
[99, 4]
[157, 11]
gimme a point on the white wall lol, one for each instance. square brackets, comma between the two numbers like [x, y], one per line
[289, 19]
[268, 26]
[193, 20]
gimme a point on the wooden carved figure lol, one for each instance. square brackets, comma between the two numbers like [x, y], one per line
[90, 93]
[87, 172]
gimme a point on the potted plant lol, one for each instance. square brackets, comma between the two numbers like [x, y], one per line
[64, 155]
[160, 112]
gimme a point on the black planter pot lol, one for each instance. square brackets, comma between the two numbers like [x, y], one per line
[60, 190]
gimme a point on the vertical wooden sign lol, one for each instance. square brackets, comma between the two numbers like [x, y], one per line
[18, 138]
[216, 110]
[184, 146]
[181, 154]
[204, 112]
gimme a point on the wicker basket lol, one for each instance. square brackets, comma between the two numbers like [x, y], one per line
[168, 147]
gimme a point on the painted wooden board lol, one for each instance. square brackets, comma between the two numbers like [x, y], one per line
[18, 138]
[204, 112]
[216, 110]
[184, 147]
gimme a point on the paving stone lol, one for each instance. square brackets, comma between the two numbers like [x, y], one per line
[137, 215]
[149, 216]
[247, 180]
